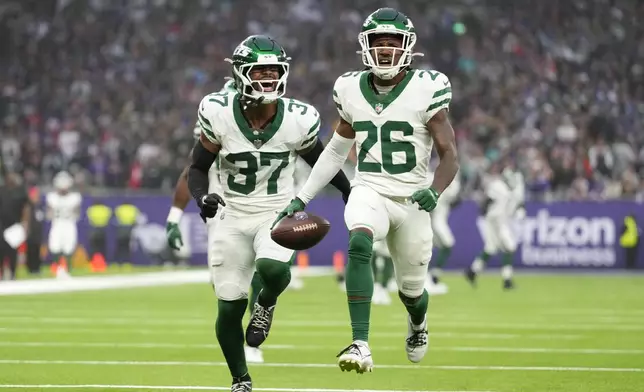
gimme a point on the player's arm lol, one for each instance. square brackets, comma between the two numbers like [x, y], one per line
[443, 134]
[204, 154]
[327, 166]
[329, 162]
[180, 198]
[339, 181]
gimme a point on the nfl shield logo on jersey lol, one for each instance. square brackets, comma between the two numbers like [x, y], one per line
[378, 108]
[258, 143]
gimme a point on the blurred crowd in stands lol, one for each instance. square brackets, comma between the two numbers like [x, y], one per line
[108, 89]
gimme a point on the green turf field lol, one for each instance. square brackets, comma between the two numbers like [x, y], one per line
[555, 333]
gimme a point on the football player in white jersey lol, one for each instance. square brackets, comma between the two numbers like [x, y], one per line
[63, 209]
[395, 114]
[443, 236]
[498, 210]
[257, 134]
[180, 200]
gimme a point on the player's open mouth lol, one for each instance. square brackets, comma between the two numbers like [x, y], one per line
[385, 62]
[268, 86]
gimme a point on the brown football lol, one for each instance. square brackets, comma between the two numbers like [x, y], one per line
[301, 231]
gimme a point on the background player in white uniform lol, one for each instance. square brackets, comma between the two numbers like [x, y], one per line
[498, 209]
[443, 236]
[257, 135]
[180, 200]
[392, 113]
[63, 209]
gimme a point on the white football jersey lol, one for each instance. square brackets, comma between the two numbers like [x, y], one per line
[501, 197]
[64, 207]
[214, 182]
[392, 139]
[256, 167]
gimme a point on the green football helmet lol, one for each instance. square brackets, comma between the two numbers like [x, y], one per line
[387, 21]
[259, 51]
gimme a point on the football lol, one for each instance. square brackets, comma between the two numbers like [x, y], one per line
[301, 231]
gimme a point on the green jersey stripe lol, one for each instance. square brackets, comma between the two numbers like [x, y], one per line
[204, 120]
[442, 92]
[438, 104]
[315, 127]
[204, 126]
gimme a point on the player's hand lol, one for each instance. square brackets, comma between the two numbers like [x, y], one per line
[173, 235]
[426, 199]
[520, 213]
[209, 205]
[294, 206]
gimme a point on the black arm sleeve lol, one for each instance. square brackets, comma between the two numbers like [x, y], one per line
[202, 159]
[340, 181]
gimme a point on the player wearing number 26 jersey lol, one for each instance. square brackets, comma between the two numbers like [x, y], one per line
[395, 115]
[256, 134]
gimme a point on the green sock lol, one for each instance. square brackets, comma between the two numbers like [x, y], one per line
[255, 288]
[416, 307]
[506, 258]
[359, 284]
[374, 266]
[276, 276]
[387, 272]
[230, 334]
[484, 256]
[441, 257]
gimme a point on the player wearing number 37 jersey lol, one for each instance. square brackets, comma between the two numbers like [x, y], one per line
[257, 134]
[395, 115]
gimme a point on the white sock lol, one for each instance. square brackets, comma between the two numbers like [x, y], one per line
[478, 265]
[437, 272]
[506, 272]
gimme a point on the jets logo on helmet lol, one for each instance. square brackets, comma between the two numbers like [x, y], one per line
[387, 22]
[260, 69]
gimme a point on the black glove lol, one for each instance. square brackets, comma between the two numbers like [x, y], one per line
[345, 198]
[209, 205]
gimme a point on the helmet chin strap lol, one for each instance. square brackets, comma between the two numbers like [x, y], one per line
[387, 76]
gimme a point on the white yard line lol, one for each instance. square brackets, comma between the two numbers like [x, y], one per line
[320, 365]
[287, 347]
[326, 324]
[195, 332]
[198, 388]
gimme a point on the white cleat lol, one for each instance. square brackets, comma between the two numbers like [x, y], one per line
[296, 284]
[356, 357]
[253, 355]
[417, 340]
[432, 288]
[392, 286]
[380, 295]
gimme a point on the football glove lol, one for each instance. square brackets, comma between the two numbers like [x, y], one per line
[426, 199]
[173, 235]
[294, 206]
[209, 205]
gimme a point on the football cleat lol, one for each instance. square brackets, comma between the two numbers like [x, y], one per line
[380, 295]
[508, 284]
[417, 340]
[242, 386]
[259, 325]
[356, 356]
[253, 355]
[470, 275]
[434, 288]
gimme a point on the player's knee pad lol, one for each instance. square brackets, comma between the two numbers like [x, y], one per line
[360, 247]
[411, 287]
[230, 291]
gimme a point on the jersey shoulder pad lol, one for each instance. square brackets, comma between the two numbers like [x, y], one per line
[343, 84]
[211, 111]
[436, 89]
[308, 120]
[78, 198]
[346, 81]
[305, 115]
